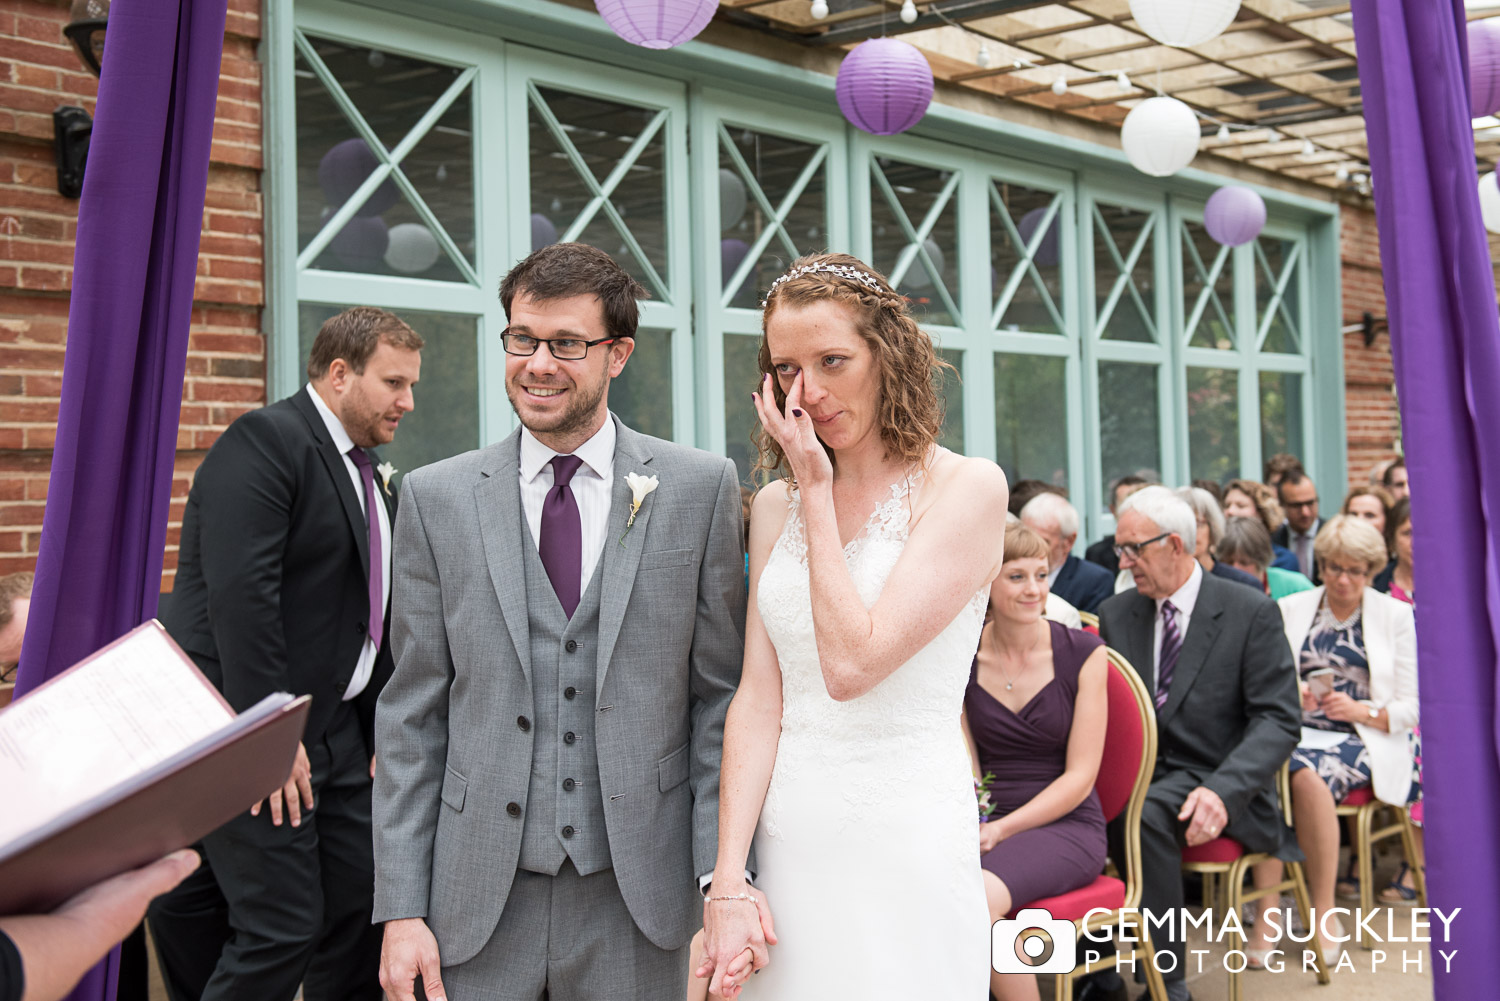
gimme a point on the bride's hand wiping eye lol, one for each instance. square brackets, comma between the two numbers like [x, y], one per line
[793, 430]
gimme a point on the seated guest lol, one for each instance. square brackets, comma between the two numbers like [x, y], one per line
[1034, 715]
[1373, 504]
[1246, 546]
[1080, 583]
[1215, 656]
[1278, 465]
[1394, 480]
[1356, 653]
[1103, 551]
[1057, 609]
[1248, 499]
[1210, 531]
[1397, 581]
[1215, 490]
[1024, 490]
[1299, 499]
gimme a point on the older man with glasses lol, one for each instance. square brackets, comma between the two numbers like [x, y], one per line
[1215, 656]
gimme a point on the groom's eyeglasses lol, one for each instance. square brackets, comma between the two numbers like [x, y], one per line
[1133, 549]
[562, 348]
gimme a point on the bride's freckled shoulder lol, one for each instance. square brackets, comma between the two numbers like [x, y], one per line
[974, 481]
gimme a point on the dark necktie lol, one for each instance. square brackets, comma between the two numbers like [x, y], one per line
[561, 542]
[1171, 646]
[375, 572]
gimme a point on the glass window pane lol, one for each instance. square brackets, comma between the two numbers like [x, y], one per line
[1213, 413]
[1129, 424]
[389, 90]
[951, 391]
[1270, 265]
[1214, 323]
[642, 394]
[775, 166]
[446, 419]
[1281, 413]
[741, 378]
[1117, 232]
[1031, 417]
[601, 134]
[917, 190]
[1032, 307]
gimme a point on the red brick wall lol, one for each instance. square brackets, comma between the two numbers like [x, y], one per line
[39, 70]
[1370, 412]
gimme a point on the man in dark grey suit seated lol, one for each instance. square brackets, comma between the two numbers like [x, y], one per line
[568, 630]
[1080, 583]
[1215, 655]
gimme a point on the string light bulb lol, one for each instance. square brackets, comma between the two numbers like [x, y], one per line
[1342, 174]
[982, 57]
[1223, 134]
[1308, 150]
[1060, 86]
[1122, 82]
[819, 9]
[908, 12]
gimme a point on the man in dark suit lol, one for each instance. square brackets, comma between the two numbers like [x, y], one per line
[1299, 497]
[1081, 584]
[1227, 707]
[1103, 551]
[283, 584]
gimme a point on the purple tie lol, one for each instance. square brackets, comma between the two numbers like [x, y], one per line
[1171, 646]
[561, 544]
[375, 572]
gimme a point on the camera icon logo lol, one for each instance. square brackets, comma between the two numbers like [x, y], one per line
[1033, 942]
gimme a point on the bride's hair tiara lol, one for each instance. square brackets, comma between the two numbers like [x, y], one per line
[841, 270]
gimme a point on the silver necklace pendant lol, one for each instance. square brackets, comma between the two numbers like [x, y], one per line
[1009, 686]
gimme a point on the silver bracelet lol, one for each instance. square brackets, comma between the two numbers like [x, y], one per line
[734, 896]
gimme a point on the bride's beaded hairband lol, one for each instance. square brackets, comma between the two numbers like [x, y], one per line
[842, 270]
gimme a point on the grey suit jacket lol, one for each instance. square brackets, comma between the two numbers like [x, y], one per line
[1232, 714]
[454, 766]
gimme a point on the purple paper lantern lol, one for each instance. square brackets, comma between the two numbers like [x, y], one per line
[656, 24]
[1047, 252]
[362, 243]
[1234, 215]
[344, 168]
[543, 232]
[1484, 68]
[884, 86]
[732, 253]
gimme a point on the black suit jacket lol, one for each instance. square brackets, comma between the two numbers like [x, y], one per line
[1083, 585]
[1283, 537]
[1232, 714]
[1103, 553]
[271, 592]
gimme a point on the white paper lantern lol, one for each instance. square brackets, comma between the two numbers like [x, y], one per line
[413, 248]
[1160, 136]
[732, 198]
[1489, 202]
[918, 278]
[1184, 22]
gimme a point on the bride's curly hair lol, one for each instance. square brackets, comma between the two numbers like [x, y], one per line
[911, 372]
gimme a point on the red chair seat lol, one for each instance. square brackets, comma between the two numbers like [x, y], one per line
[1357, 797]
[1104, 891]
[1217, 850]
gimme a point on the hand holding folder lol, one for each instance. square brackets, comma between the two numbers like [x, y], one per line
[124, 757]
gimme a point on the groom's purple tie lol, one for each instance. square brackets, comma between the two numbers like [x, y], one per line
[1171, 646]
[561, 544]
[375, 572]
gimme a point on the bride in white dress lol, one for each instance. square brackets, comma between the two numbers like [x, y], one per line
[843, 757]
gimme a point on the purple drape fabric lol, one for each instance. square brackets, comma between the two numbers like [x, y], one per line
[1440, 295]
[104, 530]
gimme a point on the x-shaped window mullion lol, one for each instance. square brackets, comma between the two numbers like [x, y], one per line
[1275, 305]
[388, 161]
[1210, 293]
[1126, 278]
[917, 238]
[776, 217]
[600, 202]
[1028, 263]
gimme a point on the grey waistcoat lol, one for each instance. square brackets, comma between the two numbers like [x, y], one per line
[564, 807]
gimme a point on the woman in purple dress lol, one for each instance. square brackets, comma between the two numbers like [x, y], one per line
[1034, 716]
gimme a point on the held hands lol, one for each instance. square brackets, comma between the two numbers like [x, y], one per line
[735, 936]
[990, 835]
[1340, 707]
[297, 792]
[1207, 814]
[409, 951]
[1309, 700]
[793, 431]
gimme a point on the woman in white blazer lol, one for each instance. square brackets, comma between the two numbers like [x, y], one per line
[1356, 653]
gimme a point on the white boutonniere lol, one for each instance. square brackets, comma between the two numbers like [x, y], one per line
[641, 487]
[386, 471]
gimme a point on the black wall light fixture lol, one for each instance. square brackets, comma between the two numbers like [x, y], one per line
[71, 125]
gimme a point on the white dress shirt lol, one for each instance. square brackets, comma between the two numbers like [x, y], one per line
[1052, 574]
[1183, 599]
[344, 443]
[591, 487]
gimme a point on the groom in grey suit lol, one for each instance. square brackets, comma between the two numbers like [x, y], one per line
[566, 647]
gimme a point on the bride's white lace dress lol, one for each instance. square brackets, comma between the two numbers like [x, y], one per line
[868, 844]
